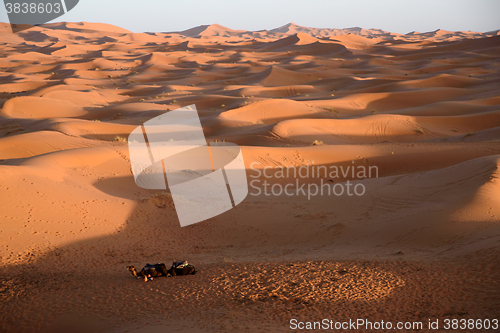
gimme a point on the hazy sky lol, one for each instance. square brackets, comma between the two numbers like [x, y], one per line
[393, 15]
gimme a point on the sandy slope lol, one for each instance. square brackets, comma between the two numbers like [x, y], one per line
[421, 243]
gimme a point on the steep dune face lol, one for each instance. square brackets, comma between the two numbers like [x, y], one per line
[276, 76]
[287, 42]
[210, 31]
[423, 109]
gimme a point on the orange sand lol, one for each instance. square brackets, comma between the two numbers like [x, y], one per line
[422, 243]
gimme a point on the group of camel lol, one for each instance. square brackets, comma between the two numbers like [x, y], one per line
[149, 271]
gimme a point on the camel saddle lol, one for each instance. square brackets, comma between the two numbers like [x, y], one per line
[179, 264]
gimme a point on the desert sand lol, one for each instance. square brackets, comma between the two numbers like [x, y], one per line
[423, 242]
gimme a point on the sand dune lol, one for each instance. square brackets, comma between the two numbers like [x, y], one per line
[276, 76]
[269, 111]
[42, 142]
[210, 31]
[296, 39]
[383, 128]
[420, 243]
[86, 27]
[27, 107]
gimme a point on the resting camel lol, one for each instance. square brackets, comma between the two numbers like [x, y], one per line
[186, 270]
[149, 272]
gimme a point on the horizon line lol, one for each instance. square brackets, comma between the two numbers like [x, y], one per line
[262, 30]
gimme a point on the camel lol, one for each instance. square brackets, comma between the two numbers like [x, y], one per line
[185, 270]
[149, 271]
[181, 268]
